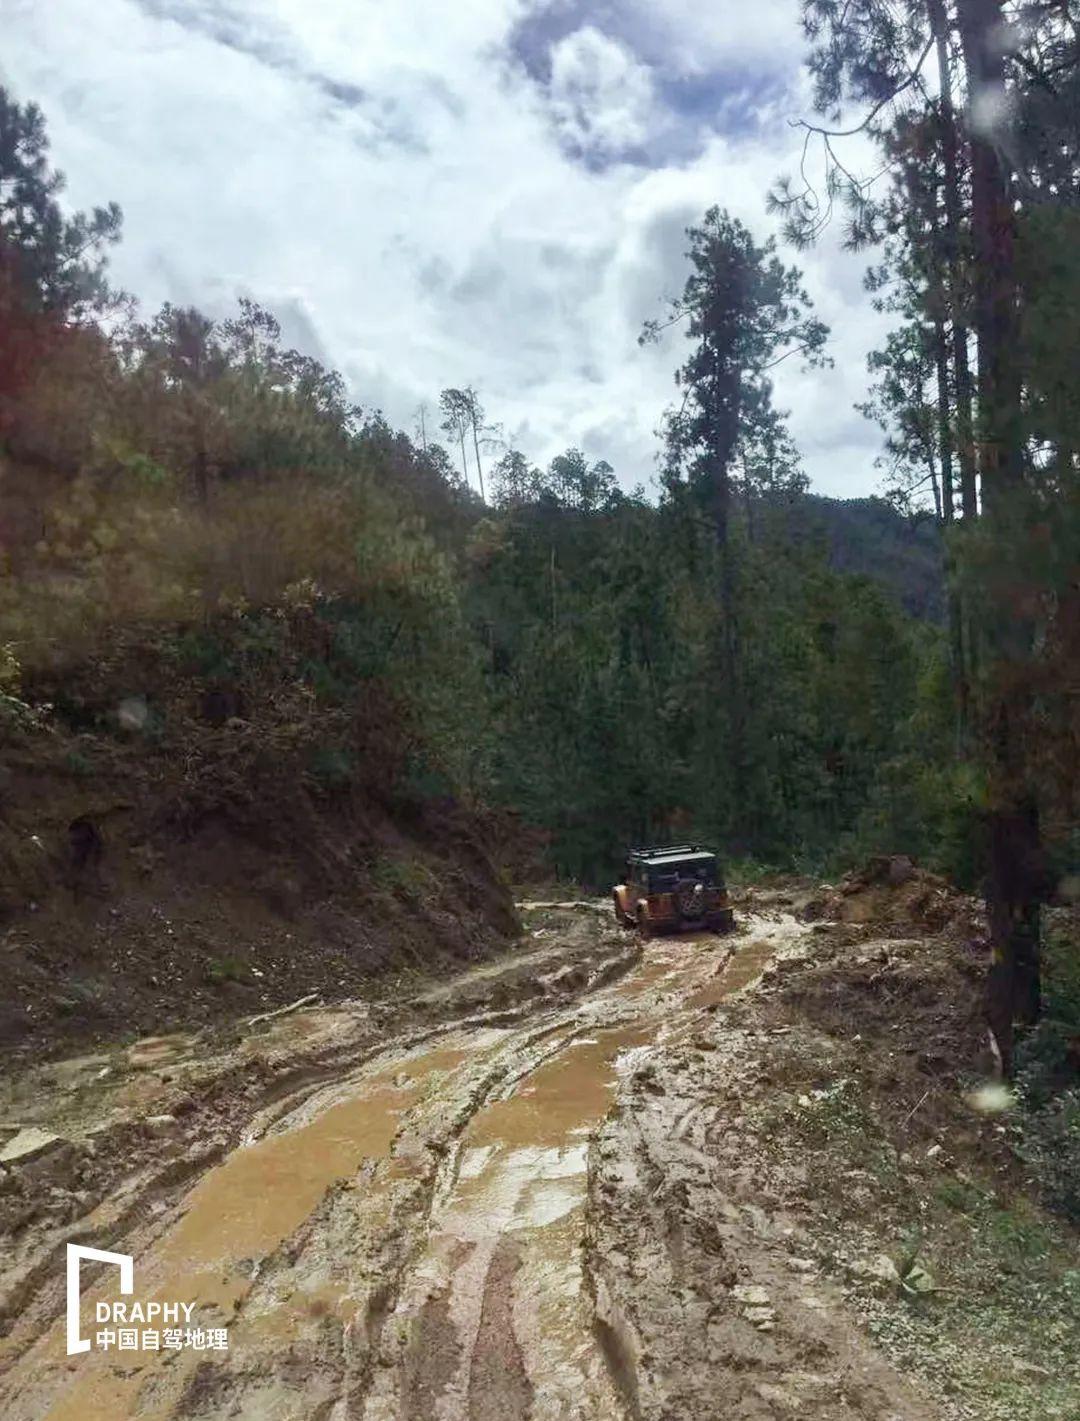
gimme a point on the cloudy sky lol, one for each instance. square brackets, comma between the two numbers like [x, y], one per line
[492, 192]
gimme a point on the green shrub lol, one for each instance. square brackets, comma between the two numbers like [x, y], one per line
[331, 767]
[1051, 1145]
[226, 969]
[744, 872]
[1043, 1061]
[408, 879]
[1046, 1055]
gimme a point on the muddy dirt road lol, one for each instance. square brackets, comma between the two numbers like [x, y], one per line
[433, 1224]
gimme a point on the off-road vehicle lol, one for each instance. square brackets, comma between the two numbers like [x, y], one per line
[672, 887]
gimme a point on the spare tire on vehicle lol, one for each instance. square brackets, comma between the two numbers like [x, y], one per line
[690, 898]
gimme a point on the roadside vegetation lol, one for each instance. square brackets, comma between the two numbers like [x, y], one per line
[241, 614]
[293, 703]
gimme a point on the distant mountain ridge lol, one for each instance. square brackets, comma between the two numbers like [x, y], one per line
[869, 536]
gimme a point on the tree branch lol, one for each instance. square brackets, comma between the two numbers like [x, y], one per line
[912, 78]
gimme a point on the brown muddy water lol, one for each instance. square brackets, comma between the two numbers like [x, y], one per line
[406, 1242]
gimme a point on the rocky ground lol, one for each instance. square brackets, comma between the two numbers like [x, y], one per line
[739, 1177]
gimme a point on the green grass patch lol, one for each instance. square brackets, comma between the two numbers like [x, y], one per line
[226, 969]
[406, 878]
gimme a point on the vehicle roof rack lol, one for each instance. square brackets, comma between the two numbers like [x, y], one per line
[669, 849]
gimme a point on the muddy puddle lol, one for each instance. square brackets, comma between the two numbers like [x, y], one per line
[506, 1235]
[482, 1138]
[505, 1240]
[238, 1213]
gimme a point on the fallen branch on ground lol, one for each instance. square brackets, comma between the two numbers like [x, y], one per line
[573, 903]
[284, 1011]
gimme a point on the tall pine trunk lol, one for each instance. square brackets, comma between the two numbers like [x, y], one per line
[993, 223]
[479, 467]
[1015, 880]
[464, 461]
[954, 242]
[725, 426]
[945, 439]
[957, 640]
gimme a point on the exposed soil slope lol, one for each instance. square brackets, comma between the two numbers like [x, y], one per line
[177, 850]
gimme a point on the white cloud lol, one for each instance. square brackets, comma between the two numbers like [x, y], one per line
[601, 96]
[688, 37]
[387, 179]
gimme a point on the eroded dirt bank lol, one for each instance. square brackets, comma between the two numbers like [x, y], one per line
[544, 1192]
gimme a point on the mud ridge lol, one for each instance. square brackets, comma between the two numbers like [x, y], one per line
[38, 1284]
[547, 1209]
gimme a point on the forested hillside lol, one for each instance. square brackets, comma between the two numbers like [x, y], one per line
[872, 537]
[333, 1008]
[235, 600]
[293, 565]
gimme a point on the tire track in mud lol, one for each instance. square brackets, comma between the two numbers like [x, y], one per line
[31, 1281]
[523, 1058]
[521, 1184]
[440, 1273]
[139, 1207]
[402, 1168]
